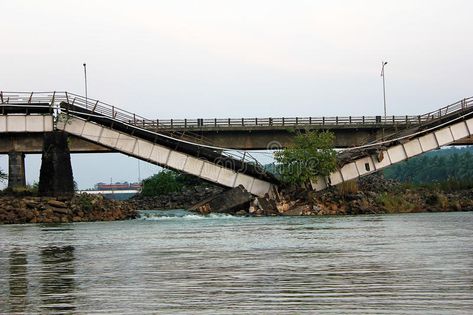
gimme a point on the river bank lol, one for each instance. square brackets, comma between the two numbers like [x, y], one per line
[370, 195]
[81, 208]
[376, 195]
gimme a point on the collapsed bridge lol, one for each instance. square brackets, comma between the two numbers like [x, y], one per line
[182, 145]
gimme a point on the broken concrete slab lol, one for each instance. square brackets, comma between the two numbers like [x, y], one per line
[229, 201]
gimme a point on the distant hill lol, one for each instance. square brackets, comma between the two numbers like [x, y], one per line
[436, 166]
[440, 165]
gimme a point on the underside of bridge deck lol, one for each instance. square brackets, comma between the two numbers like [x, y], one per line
[32, 143]
[277, 139]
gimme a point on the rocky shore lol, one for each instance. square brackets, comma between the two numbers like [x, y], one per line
[81, 208]
[369, 195]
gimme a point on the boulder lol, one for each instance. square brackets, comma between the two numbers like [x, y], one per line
[62, 210]
[299, 210]
[57, 204]
[229, 201]
[266, 206]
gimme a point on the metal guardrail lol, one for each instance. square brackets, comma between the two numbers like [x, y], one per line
[53, 100]
[101, 108]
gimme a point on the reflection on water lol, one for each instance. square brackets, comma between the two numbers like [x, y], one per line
[57, 278]
[18, 283]
[180, 263]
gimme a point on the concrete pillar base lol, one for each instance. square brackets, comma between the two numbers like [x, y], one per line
[16, 170]
[55, 178]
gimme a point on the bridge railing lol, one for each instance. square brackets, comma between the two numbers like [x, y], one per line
[459, 106]
[53, 99]
[179, 124]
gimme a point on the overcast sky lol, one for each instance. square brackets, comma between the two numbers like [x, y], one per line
[214, 58]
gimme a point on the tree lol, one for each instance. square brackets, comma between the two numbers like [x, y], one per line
[446, 165]
[310, 155]
[164, 182]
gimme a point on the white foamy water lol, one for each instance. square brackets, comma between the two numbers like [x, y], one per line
[181, 263]
[178, 214]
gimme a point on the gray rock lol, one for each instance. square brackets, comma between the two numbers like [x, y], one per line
[229, 201]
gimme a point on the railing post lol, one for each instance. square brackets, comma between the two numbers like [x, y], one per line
[215, 122]
[228, 122]
[336, 120]
[1, 96]
[323, 121]
[31, 97]
[113, 111]
[349, 120]
[134, 119]
[242, 122]
[363, 120]
[297, 121]
[310, 120]
[407, 120]
[283, 121]
[52, 102]
[95, 106]
[171, 124]
[256, 121]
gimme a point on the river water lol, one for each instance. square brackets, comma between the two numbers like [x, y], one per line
[178, 263]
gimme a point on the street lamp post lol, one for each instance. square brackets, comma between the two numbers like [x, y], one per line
[384, 63]
[85, 79]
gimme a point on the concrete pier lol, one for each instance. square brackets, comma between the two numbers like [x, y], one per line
[16, 170]
[55, 178]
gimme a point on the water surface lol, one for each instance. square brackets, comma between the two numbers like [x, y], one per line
[179, 263]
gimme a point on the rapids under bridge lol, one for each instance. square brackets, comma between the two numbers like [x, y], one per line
[215, 150]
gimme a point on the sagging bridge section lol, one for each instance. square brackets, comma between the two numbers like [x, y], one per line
[201, 146]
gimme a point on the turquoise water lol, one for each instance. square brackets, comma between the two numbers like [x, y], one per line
[180, 263]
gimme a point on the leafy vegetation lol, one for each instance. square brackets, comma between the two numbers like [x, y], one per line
[166, 182]
[311, 155]
[394, 203]
[348, 187]
[447, 169]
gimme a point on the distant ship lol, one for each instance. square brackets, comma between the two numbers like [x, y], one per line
[118, 186]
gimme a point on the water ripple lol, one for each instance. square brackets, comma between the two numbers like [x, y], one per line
[180, 263]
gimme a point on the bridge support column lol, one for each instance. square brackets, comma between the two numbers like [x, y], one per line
[55, 178]
[16, 170]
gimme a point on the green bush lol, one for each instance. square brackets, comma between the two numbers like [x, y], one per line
[310, 155]
[164, 182]
[394, 203]
[85, 202]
